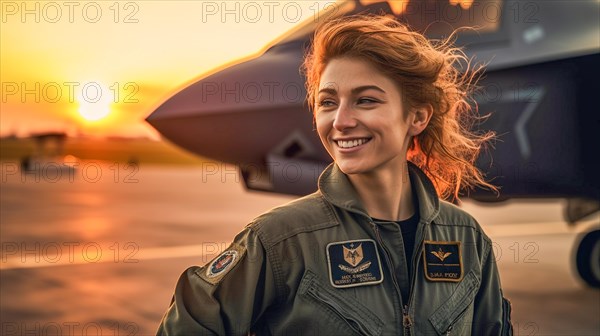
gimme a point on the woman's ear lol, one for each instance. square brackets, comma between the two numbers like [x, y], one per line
[420, 116]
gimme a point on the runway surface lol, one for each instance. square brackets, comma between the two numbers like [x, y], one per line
[100, 253]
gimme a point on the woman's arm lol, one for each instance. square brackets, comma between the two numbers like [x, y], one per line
[226, 296]
[492, 310]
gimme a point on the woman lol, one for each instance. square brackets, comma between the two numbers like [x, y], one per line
[374, 251]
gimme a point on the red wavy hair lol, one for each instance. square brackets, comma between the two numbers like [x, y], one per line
[427, 72]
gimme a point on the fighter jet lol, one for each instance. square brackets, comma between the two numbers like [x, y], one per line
[542, 60]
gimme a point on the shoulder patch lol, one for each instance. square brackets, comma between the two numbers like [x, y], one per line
[442, 260]
[354, 263]
[215, 270]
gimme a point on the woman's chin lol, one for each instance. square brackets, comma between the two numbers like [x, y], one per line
[350, 168]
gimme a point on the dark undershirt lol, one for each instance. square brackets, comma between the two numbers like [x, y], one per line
[408, 227]
[409, 231]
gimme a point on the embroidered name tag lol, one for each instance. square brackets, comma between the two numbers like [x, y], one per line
[443, 261]
[354, 263]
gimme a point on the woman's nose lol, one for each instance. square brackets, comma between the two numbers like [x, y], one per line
[344, 118]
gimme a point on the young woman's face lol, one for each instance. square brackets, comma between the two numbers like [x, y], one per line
[360, 118]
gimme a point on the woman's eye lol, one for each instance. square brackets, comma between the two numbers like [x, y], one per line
[367, 101]
[326, 103]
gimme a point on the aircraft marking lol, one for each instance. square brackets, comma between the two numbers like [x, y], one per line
[533, 96]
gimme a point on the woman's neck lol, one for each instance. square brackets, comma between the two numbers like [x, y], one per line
[385, 193]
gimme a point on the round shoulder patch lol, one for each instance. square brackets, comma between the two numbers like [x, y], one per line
[222, 263]
[215, 270]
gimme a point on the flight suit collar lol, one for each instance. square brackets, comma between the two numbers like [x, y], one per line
[337, 189]
[429, 203]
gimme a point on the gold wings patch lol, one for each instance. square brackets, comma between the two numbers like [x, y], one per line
[441, 254]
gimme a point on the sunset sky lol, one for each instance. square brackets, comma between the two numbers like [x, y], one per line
[64, 64]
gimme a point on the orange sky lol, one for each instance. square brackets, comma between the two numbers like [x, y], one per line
[56, 56]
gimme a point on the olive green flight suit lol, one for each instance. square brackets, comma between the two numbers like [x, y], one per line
[319, 265]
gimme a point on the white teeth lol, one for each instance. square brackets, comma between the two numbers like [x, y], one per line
[351, 143]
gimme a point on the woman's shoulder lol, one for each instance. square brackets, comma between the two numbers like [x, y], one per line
[308, 213]
[452, 215]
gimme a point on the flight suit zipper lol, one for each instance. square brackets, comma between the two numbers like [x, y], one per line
[407, 322]
[391, 268]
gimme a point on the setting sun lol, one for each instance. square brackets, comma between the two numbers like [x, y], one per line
[94, 101]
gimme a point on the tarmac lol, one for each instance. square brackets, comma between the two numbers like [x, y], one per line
[99, 253]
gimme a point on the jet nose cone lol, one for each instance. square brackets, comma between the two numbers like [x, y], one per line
[240, 113]
[272, 80]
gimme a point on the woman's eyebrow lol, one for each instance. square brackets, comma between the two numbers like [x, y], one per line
[329, 90]
[360, 89]
[354, 91]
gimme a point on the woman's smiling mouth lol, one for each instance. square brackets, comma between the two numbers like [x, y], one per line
[351, 143]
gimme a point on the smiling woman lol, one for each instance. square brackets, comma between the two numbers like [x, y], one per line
[94, 101]
[375, 250]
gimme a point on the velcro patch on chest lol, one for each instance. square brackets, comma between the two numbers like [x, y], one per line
[354, 263]
[443, 261]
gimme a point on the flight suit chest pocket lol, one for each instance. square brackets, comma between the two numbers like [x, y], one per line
[343, 308]
[451, 312]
